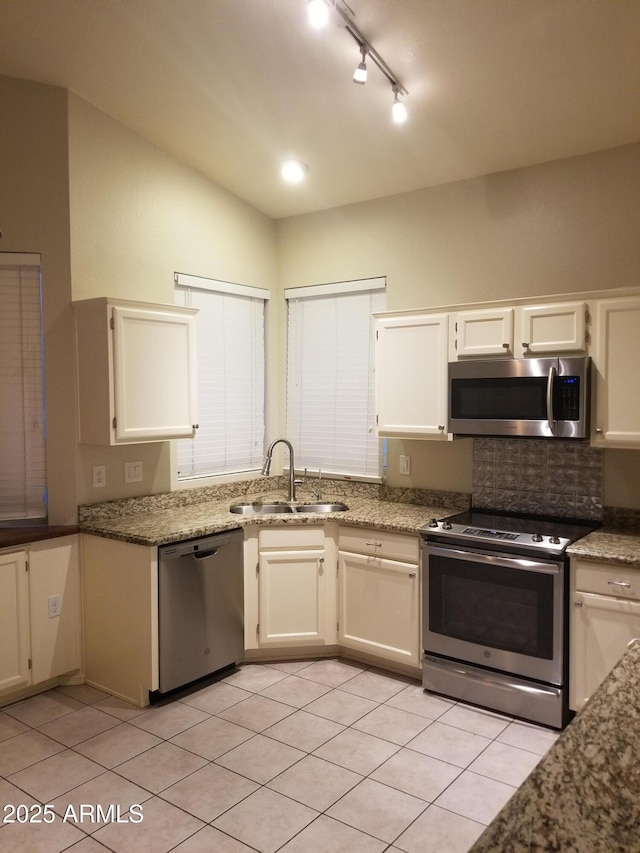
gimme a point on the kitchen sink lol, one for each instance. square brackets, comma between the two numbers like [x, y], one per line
[321, 507]
[257, 508]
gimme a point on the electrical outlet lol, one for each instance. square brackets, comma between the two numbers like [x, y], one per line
[99, 476]
[405, 464]
[55, 605]
[133, 472]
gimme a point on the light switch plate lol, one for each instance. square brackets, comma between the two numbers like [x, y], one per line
[133, 472]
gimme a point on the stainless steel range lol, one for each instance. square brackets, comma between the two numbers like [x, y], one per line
[495, 612]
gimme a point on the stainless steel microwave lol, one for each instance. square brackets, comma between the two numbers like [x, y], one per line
[529, 397]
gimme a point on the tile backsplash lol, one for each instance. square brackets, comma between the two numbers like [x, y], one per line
[540, 476]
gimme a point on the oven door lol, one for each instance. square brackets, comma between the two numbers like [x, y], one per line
[498, 611]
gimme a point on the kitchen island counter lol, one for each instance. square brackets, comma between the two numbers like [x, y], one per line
[583, 795]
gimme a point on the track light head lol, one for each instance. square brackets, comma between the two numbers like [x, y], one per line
[318, 12]
[398, 110]
[360, 74]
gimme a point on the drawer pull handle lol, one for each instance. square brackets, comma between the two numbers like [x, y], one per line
[620, 583]
[375, 544]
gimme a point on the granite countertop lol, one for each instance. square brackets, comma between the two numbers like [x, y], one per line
[158, 526]
[583, 796]
[609, 546]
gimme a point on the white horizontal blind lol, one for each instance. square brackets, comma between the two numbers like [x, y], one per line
[231, 378]
[330, 377]
[23, 478]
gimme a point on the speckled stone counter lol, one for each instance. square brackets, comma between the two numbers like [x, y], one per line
[584, 796]
[609, 546]
[157, 520]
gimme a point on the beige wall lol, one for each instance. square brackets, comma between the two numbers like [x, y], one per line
[138, 216]
[567, 226]
[34, 217]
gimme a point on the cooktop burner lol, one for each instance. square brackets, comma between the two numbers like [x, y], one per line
[507, 531]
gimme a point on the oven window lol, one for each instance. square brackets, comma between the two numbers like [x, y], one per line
[492, 606]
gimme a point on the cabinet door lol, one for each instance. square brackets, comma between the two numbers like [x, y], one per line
[291, 598]
[617, 382]
[379, 607]
[14, 622]
[54, 595]
[411, 376]
[601, 629]
[557, 327]
[484, 332]
[154, 374]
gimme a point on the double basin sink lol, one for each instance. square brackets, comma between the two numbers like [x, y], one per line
[258, 508]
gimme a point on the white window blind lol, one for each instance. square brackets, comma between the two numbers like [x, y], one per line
[330, 377]
[231, 377]
[23, 492]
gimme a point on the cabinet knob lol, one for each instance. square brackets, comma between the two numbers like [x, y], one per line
[577, 603]
[195, 426]
[505, 346]
[525, 344]
[599, 430]
[441, 427]
[412, 574]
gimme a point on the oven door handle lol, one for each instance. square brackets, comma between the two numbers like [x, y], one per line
[521, 563]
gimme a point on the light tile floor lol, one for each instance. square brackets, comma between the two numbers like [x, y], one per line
[305, 757]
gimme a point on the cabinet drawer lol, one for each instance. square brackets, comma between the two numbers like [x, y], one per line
[302, 536]
[608, 579]
[378, 543]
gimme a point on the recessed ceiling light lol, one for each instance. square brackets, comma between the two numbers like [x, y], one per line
[293, 171]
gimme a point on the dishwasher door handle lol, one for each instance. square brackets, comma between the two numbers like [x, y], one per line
[202, 555]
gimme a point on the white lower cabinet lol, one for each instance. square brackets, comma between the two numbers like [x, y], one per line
[14, 622]
[290, 588]
[379, 595]
[605, 617]
[40, 614]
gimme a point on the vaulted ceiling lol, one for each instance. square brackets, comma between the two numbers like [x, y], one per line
[231, 87]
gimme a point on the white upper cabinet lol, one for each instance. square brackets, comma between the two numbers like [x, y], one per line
[551, 328]
[411, 375]
[520, 331]
[136, 371]
[481, 333]
[616, 421]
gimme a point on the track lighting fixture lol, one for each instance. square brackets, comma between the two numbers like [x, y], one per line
[360, 74]
[398, 110]
[318, 12]
[319, 15]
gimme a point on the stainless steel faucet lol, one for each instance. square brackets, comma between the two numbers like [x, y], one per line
[292, 475]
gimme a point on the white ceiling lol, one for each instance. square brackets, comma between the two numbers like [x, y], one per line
[233, 86]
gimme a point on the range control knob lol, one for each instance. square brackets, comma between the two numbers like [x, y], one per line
[433, 522]
[446, 525]
[555, 540]
[536, 537]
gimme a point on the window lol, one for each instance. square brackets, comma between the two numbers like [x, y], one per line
[231, 377]
[23, 477]
[330, 379]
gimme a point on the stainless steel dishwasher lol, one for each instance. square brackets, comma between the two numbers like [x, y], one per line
[201, 607]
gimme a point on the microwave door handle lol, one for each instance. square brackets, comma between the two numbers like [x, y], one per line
[551, 378]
